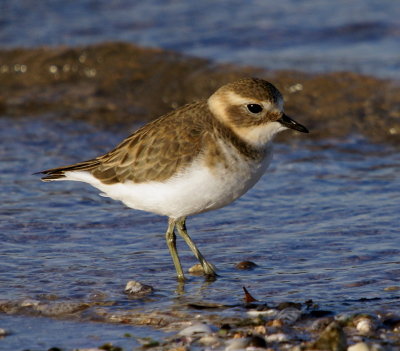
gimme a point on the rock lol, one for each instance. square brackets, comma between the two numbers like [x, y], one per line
[278, 337]
[365, 325]
[137, 289]
[3, 332]
[237, 344]
[332, 339]
[275, 323]
[271, 312]
[196, 330]
[246, 265]
[321, 323]
[197, 269]
[260, 329]
[289, 315]
[29, 303]
[360, 346]
[210, 340]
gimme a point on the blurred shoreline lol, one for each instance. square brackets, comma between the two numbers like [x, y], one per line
[116, 84]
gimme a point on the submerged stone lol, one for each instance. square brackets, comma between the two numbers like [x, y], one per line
[137, 289]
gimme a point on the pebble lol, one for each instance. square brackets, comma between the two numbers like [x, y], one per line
[289, 315]
[137, 289]
[332, 338]
[246, 265]
[321, 323]
[237, 344]
[360, 346]
[3, 332]
[210, 340]
[268, 313]
[196, 329]
[30, 303]
[197, 269]
[365, 325]
[278, 337]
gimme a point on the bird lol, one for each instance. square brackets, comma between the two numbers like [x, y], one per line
[199, 157]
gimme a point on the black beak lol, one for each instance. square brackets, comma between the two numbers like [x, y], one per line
[292, 124]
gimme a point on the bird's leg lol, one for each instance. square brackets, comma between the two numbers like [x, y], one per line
[171, 242]
[208, 268]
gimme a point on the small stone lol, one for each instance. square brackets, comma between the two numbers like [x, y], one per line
[3, 332]
[289, 315]
[365, 325]
[278, 337]
[210, 340]
[237, 344]
[29, 303]
[196, 329]
[137, 289]
[197, 269]
[275, 323]
[360, 346]
[260, 329]
[332, 338]
[246, 265]
[321, 323]
[268, 313]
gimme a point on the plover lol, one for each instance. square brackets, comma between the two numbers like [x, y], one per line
[197, 158]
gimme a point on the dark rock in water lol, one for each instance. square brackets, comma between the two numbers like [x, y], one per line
[246, 265]
[391, 321]
[118, 84]
[319, 313]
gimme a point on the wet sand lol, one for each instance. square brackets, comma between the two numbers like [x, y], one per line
[118, 84]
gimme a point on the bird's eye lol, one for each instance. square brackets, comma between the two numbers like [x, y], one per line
[254, 108]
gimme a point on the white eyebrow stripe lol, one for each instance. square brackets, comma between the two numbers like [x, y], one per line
[236, 99]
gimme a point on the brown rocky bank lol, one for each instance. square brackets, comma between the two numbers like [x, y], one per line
[118, 83]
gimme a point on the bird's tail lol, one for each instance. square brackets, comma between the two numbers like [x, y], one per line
[59, 172]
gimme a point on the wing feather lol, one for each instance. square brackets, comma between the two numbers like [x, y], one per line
[153, 153]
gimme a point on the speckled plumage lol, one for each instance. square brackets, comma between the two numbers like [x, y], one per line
[163, 147]
[199, 157]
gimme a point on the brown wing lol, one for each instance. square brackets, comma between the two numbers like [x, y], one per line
[153, 153]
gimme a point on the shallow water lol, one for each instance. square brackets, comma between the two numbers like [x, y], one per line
[315, 36]
[321, 225]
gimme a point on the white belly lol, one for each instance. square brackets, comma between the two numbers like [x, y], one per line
[197, 189]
